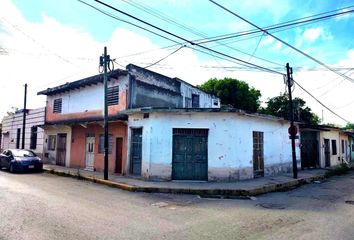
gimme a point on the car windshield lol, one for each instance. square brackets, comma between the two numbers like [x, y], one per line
[23, 153]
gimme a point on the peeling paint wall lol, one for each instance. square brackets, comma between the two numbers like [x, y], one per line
[230, 143]
[150, 89]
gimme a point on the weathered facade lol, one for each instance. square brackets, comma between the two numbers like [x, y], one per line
[206, 144]
[12, 128]
[74, 114]
[323, 146]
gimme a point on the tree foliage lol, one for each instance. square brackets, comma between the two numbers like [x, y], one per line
[279, 106]
[233, 92]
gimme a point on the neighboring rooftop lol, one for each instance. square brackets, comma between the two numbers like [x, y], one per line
[82, 82]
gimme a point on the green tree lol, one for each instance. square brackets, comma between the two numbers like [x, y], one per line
[233, 92]
[279, 106]
[349, 126]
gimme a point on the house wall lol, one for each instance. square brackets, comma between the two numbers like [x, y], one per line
[10, 124]
[333, 134]
[78, 145]
[50, 155]
[205, 100]
[150, 89]
[230, 143]
[87, 102]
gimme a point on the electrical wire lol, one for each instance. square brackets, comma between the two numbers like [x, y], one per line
[320, 102]
[282, 41]
[254, 51]
[276, 26]
[188, 41]
[170, 54]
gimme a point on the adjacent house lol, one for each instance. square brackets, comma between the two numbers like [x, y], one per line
[12, 128]
[74, 114]
[323, 146]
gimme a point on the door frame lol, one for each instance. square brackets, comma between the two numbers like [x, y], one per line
[59, 135]
[131, 163]
[258, 172]
[118, 168]
[327, 142]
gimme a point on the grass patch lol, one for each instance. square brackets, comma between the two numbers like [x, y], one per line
[339, 170]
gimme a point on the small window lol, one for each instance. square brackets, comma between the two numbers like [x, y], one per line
[113, 95]
[334, 147]
[51, 142]
[195, 101]
[57, 104]
[33, 141]
[215, 102]
[101, 144]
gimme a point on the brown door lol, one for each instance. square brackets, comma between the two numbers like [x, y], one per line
[61, 149]
[119, 149]
[258, 154]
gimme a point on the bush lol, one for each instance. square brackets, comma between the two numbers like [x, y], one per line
[339, 170]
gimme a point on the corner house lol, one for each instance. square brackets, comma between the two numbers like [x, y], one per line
[206, 144]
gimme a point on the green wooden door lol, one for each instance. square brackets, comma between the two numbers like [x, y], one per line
[190, 154]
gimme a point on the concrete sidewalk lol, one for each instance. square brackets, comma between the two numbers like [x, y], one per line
[250, 187]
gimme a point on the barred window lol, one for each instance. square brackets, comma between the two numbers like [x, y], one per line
[101, 144]
[57, 104]
[113, 95]
[51, 142]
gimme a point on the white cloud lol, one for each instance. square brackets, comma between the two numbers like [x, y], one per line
[312, 34]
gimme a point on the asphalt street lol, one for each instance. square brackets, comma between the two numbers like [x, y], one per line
[44, 206]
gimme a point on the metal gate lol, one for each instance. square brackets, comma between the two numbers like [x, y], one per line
[190, 154]
[309, 150]
[258, 154]
[61, 149]
[136, 151]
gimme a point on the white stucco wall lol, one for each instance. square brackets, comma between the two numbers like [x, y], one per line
[85, 99]
[230, 143]
[55, 130]
[10, 124]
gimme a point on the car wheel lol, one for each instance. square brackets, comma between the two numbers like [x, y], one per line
[11, 168]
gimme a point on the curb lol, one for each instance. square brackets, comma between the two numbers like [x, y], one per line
[278, 187]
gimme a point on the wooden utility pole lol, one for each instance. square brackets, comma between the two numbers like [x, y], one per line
[292, 128]
[24, 118]
[104, 61]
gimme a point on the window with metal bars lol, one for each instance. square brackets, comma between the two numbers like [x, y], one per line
[190, 131]
[113, 95]
[57, 104]
[101, 144]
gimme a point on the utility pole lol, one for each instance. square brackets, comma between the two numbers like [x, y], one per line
[24, 118]
[104, 61]
[292, 128]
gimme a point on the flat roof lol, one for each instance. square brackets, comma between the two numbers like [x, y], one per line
[200, 110]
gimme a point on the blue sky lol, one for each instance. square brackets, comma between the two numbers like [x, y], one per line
[55, 30]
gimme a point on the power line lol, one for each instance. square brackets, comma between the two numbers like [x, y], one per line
[130, 23]
[152, 64]
[320, 102]
[188, 41]
[287, 44]
[167, 19]
[276, 26]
